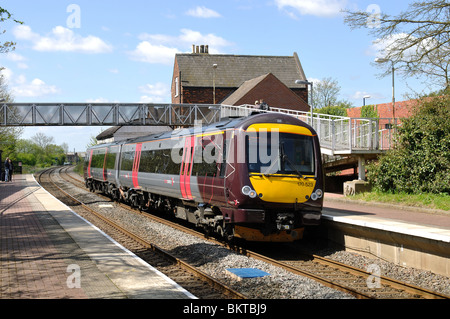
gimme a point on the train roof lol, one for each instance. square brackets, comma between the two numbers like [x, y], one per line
[224, 124]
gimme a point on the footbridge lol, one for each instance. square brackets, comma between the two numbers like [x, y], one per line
[344, 141]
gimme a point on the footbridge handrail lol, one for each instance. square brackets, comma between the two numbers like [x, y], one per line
[338, 134]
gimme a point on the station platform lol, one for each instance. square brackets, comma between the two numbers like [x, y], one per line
[421, 222]
[49, 252]
[410, 237]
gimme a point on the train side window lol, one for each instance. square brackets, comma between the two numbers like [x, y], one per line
[110, 160]
[147, 159]
[98, 159]
[158, 161]
[127, 161]
[205, 159]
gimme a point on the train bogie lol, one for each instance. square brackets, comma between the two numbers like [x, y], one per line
[257, 178]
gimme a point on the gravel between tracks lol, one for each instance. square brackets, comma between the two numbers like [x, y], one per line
[214, 260]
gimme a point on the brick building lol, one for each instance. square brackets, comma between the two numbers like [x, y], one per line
[403, 109]
[269, 88]
[203, 78]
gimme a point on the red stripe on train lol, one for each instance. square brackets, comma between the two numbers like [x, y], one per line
[137, 160]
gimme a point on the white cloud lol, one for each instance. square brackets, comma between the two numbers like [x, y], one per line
[203, 12]
[155, 93]
[62, 39]
[6, 74]
[35, 88]
[161, 48]
[98, 100]
[189, 37]
[359, 95]
[321, 8]
[380, 48]
[20, 87]
[150, 53]
[19, 59]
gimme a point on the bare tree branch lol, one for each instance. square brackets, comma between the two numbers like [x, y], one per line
[417, 40]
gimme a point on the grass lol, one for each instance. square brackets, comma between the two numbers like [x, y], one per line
[434, 201]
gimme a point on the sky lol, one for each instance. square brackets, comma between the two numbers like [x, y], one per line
[123, 51]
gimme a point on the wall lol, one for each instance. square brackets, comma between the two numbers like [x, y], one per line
[403, 109]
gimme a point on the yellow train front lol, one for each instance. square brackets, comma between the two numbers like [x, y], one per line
[274, 182]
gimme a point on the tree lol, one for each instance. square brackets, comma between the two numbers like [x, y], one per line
[42, 140]
[8, 135]
[416, 41]
[326, 93]
[420, 163]
[6, 46]
[40, 151]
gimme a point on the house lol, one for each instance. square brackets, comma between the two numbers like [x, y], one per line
[203, 78]
[269, 88]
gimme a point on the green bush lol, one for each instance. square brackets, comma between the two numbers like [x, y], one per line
[420, 162]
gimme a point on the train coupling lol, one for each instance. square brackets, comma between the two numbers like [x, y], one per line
[285, 221]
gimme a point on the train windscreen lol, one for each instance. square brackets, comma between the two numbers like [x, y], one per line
[280, 153]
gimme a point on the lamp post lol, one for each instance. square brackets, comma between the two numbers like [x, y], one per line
[364, 99]
[380, 60]
[308, 83]
[214, 82]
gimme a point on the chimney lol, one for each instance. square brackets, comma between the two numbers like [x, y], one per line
[202, 49]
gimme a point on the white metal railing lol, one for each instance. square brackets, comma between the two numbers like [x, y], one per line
[337, 134]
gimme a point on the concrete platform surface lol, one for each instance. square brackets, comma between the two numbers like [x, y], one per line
[48, 251]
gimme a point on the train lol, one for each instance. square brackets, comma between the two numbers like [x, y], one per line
[258, 178]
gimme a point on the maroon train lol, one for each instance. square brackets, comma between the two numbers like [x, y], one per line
[258, 178]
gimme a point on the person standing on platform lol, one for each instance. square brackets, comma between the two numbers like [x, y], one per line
[11, 170]
[7, 169]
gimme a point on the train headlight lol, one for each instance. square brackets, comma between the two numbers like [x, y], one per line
[246, 190]
[319, 193]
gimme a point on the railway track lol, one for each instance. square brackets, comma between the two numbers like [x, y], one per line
[359, 283]
[192, 279]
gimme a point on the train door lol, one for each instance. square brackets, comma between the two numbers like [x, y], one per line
[186, 168]
[89, 160]
[206, 170]
[136, 162]
[229, 163]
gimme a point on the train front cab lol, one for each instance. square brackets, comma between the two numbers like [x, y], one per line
[280, 183]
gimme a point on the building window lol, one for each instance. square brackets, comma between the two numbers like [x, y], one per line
[176, 87]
